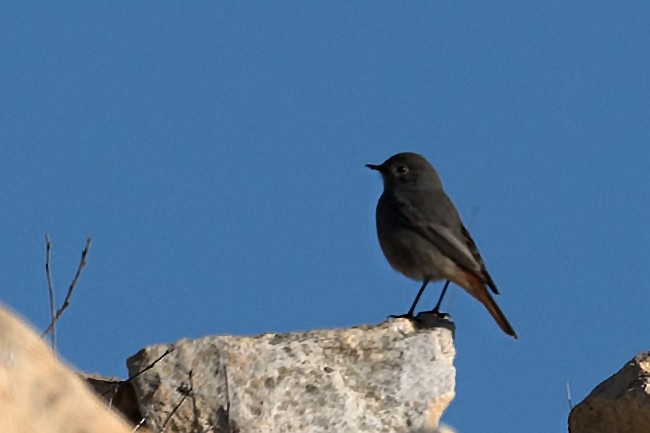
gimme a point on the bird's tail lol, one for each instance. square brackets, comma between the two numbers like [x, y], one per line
[479, 291]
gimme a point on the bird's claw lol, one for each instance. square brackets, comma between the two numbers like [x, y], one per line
[436, 312]
[409, 316]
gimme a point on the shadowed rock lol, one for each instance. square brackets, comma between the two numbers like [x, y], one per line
[621, 404]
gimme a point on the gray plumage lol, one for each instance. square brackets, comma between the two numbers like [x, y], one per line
[421, 233]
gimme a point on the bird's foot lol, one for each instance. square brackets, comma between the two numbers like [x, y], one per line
[409, 316]
[436, 312]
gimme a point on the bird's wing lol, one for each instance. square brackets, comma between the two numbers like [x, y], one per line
[477, 257]
[437, 220]
[437, 226]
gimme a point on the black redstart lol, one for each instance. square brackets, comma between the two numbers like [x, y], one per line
[423, 237]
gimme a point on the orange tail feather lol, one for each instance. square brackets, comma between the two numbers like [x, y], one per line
[477, 289]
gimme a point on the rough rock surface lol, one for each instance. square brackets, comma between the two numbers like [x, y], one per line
[621, 404]
[116, 393]
[39, 394]
[397, 376]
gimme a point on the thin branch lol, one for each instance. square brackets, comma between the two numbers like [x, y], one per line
[151, 365]
[118, 385]
[66, 301]
[138, 425]
[115, 389]
[186, 391]
[50, 287]
[173, 412]
[143, 420]
[148, 367]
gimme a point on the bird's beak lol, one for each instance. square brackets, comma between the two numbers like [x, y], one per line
[374, 167]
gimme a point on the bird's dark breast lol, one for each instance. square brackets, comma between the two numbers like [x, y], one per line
[406, 251]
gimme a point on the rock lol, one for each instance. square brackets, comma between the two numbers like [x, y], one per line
[621, 404]
[117, 393]
[40, 394]
[397, 376]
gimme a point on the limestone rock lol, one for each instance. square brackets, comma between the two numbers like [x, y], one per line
[621, 404]
[397, 376]
[118, 394]
[39, 394]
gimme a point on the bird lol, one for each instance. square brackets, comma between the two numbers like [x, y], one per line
[423, 237]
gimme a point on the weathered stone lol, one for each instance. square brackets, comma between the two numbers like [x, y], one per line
[39, 394]
[118, 394]
[621, 404]
[397, 376]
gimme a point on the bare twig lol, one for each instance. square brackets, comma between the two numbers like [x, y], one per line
[184, 389]
[115, 389]
[66, 301]
[117, 386]
[173, 412]
[50, 287]
[148, 367]
[138, 425]
[151, 365]
[143, 420]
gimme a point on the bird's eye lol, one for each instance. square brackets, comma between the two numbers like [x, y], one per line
[401, 169]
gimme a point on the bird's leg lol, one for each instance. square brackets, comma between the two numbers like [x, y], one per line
[436, 309]
[409, 315]
[417, 298]
[442, 295]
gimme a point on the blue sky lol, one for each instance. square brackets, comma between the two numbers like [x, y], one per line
[215, 152]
